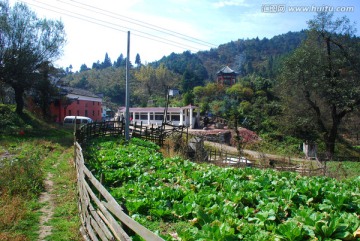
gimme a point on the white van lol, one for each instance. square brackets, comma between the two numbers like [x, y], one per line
[80, 120]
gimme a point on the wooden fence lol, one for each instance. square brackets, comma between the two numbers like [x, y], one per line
[153, 133]
[101, 216]
[99, 129]
[225, 158]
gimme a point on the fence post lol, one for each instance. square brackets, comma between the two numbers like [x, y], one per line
[140, 128]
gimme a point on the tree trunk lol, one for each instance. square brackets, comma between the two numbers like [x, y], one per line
[330, 146]
[19, 92]
[330, 137]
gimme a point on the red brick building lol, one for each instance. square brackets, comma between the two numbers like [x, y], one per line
[76, 102]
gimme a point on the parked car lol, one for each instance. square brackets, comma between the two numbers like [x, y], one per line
[80, 120]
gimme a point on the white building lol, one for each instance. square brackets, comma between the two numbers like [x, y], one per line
[187, 115]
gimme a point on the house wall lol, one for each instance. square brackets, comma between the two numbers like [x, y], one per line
[90, 107]
[228, 79]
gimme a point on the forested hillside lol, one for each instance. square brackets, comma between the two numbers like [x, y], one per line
[300, 85]
[260, 56]
[244, 56]
[188, 70]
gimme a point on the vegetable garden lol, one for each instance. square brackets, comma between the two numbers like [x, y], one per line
[181, 200]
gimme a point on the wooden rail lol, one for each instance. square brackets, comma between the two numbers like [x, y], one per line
[220, 157]
[156, 134]
[101, 216]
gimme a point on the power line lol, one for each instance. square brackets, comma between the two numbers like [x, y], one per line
[147, 25]
[106, 24]
[90, 20]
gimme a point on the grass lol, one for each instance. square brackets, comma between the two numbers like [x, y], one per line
[343, 170]
[25, 160]
[65, 221]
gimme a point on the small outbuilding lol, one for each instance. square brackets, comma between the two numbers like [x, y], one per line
[188, 115]
[226, 76]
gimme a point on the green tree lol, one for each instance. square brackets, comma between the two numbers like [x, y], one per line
[146, 78]
[138, 60]
[190, 80]
[324, 74]
[151, 82]
[120, 62]
[27, 42]
[107, 62]
[96, 65]
[83, 67]
[43, 89]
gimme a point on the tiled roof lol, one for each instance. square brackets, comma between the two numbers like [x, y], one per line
[226, 70]
[156, 109]
[76, 91]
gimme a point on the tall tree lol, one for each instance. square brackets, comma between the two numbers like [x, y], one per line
[107, 62]
[120, 61]
[138, 60]
[324, 72]
[26, 43]
[43, 89]
[83, 67]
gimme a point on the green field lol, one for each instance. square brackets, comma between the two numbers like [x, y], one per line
[187, 201]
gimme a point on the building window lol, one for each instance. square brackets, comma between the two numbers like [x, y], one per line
[78, 113]
[93, 113]
[86, 113]
[175, 117]
[98, 113]
[93, 102]
[159, 116]
[98, 103]
[69, 112]
[143, 117]
[78, 101]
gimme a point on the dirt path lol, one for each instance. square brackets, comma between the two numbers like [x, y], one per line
[254, 154]
[47, 198]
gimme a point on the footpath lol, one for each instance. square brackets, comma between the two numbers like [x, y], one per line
[254, 154]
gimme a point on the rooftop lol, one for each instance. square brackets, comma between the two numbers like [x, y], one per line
[77, 91]
[157, 109]
[226, 70]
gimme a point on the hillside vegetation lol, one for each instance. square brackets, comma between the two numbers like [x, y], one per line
[298, 85]
[247, 57]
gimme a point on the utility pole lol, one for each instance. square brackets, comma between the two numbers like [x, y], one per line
[127, 94]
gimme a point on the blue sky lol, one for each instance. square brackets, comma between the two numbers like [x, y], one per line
[214, 22]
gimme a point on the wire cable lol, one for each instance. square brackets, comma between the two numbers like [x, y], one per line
[106, 24]
[144, 24]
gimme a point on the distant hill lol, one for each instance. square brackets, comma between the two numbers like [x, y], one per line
[247, 56]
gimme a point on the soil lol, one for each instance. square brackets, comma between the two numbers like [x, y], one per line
[47, 198]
